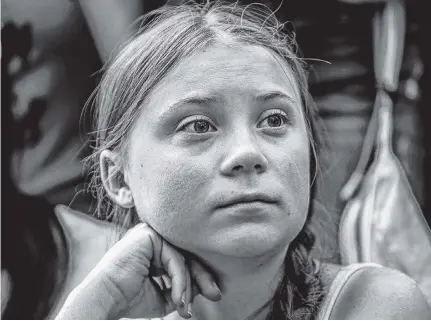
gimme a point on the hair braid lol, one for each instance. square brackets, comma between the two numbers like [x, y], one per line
[299, 299]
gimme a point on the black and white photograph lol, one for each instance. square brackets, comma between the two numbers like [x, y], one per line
[215, 159]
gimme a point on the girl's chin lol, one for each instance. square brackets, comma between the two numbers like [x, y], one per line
[248, 243]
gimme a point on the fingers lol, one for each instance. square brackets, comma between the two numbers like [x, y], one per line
[205, 281]
[174, 264]
[166, 259]
[183, 275]
[187, 309]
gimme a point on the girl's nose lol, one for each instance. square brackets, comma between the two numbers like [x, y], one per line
[244, 157]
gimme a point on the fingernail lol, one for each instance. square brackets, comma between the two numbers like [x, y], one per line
[183, 300]
[217, 288]
[189, 310]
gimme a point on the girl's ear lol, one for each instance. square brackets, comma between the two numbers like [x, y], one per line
[113, 179]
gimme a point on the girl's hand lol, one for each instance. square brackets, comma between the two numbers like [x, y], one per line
[122, 284]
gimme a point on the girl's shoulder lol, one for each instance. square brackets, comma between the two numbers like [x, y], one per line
[370, 291]
[88, 239]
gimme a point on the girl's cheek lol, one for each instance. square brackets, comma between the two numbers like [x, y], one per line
[171, 193]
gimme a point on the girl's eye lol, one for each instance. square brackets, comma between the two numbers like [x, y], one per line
[201, 126]
[198, 126]
[274, 120]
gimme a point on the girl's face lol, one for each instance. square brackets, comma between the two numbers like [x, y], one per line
[219, 157]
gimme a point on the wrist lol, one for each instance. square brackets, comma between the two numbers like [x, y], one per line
[89, 300]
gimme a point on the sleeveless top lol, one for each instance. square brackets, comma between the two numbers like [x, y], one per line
[340, 281]
[95, 237]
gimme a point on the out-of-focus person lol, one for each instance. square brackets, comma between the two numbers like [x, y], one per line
[51, 53]
[57, 79]
[338, 46]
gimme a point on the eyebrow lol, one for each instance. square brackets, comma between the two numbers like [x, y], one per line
[274, 94]
[205, 100]
[195, 100]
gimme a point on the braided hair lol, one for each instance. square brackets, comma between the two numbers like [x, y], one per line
[171, 34]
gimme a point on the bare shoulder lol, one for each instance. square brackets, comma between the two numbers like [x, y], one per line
[381, 293]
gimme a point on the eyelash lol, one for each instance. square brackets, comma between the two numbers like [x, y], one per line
[195, 119]
[280, 113]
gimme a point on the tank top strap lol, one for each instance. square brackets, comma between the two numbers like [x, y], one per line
[338, 284]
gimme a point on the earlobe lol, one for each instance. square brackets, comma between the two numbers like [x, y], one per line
[125, 198]
[113, 179]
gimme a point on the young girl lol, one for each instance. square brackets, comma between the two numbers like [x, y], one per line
[206, 152]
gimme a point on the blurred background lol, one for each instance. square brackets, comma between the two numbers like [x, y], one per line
[53, 52]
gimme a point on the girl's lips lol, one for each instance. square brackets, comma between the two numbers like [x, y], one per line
[246, 200]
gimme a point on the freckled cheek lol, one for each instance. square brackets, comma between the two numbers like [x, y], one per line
[171, 194]
[294, 170]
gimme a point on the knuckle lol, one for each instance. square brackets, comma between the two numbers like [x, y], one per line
[196, 267]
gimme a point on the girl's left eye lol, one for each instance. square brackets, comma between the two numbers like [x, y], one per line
[274, 120]
[198, 126]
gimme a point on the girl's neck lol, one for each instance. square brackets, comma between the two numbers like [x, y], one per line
[247, 285]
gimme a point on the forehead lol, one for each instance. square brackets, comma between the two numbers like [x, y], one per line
[226, 71]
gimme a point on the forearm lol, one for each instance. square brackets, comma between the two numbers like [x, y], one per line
[110, 22]
[89, 302]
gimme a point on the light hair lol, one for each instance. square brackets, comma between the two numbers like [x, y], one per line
[167, 36]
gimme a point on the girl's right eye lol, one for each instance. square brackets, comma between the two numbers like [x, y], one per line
[197, 125]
